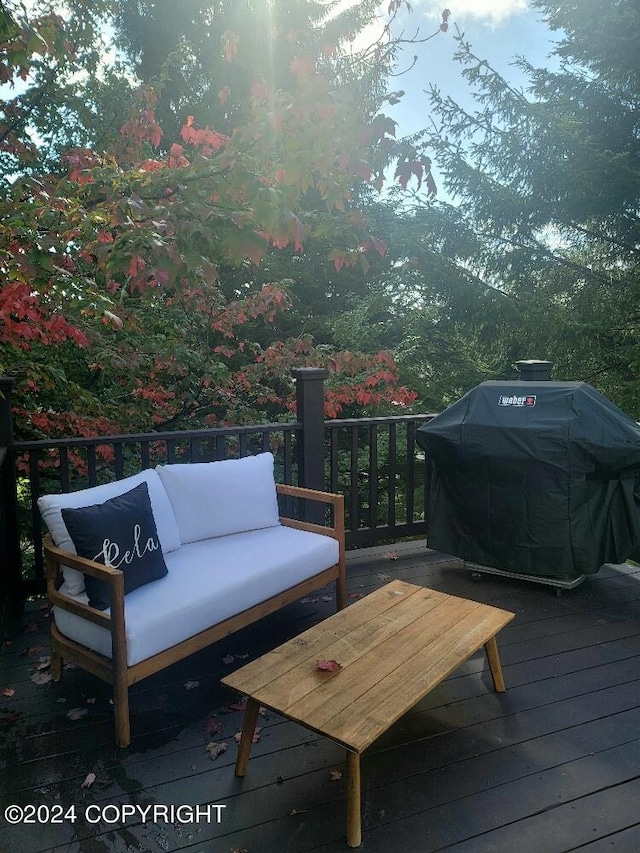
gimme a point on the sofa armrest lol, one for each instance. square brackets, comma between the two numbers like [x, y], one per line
[336, 501]
[114, 620]
[335, 530]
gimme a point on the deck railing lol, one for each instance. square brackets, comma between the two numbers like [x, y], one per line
[376, 465]
[374, 462]
[11, 590]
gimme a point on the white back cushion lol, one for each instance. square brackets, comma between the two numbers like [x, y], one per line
[218, 498]
[51, 510]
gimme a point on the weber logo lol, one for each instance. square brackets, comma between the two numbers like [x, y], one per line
[528, 401]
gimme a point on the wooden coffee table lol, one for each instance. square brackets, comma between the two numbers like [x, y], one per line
[394, 646]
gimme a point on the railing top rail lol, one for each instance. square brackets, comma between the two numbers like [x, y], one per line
[380, 420]
[213, 432]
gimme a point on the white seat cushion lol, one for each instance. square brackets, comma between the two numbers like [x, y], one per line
[51, 507]
[208, 582]
[219, 498]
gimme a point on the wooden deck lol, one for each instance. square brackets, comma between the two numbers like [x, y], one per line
[550, 766]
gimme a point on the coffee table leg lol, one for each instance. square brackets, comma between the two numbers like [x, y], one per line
[491, 648]
[248, 728]
[354, 828]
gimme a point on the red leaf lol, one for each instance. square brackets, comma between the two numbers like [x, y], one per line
[212, 726]
[328, 665]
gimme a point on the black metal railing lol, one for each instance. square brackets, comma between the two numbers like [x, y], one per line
[11, 590]
[374, 462]
[69, 464]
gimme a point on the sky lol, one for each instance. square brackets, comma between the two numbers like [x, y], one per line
[498, 30]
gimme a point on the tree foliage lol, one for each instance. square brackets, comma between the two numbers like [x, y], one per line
[540, 256]
[211, 54]
[129, 300]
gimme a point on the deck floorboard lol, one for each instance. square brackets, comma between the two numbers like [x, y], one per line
[551, 766]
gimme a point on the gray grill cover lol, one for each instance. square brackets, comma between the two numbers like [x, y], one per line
[535, 478]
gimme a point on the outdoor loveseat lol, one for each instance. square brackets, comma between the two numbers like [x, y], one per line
[146, 570]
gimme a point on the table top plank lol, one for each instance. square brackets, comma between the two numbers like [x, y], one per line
[394, 646]
[304, 685]
[378, 663]
[310, 644]
[371, 714]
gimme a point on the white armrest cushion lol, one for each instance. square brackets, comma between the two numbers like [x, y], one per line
[211, 499]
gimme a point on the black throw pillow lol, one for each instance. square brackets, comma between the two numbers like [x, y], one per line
[120, 533]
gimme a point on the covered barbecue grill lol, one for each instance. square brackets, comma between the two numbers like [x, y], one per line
[535, 478]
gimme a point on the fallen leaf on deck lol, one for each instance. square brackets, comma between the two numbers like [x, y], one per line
[41, 677]
[384, 577]
[77, 713]
[334, 775]
[212, 726]
[328, 665]
[89, 780]
[242, 657]
[31, 628]
[31, 650]
[91, 701]
[239, 706]
[355, 595]
[191, 685]
[216, 748]
[10, 719]
[228, 659]
[327, 598]
[45, 663]
[297, 811]
[255, 738]
[8, 691]
[390, 556]
[308, 600]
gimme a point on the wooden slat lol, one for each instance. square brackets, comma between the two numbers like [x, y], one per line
[375, 711]
[379, 677]
[302, 688]
[390, 659]
[307, 646]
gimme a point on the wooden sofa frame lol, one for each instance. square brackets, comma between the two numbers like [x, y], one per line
[115, 670]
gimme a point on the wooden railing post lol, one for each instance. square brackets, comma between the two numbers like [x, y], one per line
[11, 598]
[310, 413]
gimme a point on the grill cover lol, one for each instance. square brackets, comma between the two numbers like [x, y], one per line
[536, 478]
